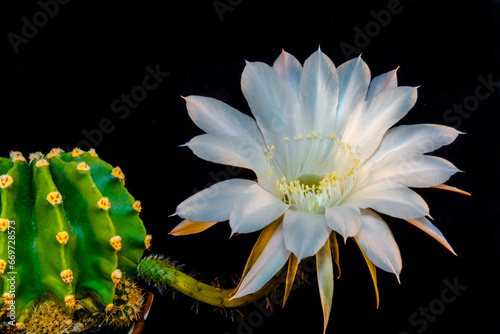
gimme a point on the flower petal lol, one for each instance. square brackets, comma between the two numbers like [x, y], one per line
[382, 82]
[270, 261]
[289, 68]
[354, 79]
[373, 273]
[367, 126]
[259, 246]
[344, 219]
[425, 225]
[324, 264]
[272, 102]
[293, 265]
[318, 92]
[450, 188]
[412, 169]
[233, 151]
[377, 242]
[213, 204]
[389, 198]
[335, 251]
[255, 209]
[216, 117]
[187, 227]
[417, 138]
[305, 233]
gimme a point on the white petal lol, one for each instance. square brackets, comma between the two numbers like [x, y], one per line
[289, 68]
[344, 219]
[388, 197]
[382, 82]
[272, 259]
[425, 225]
[318, 91]
[305, 233]
[255, 209]
[213, 204]
[324, 265]
[272, 102]
[216, 117]
[233, 151]
[418, 138]
[412, 169]
[354, 78]
[367, 126]
[377, 242]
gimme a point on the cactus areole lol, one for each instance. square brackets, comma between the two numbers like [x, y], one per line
[69, 229]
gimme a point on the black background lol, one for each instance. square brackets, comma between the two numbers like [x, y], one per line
[64, 79]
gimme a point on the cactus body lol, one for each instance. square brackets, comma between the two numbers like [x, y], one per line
[72, 226]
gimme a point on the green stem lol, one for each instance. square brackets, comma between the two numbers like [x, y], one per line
[159, 272]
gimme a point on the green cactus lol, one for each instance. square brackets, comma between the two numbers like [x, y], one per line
[69, 229]
[71, 238]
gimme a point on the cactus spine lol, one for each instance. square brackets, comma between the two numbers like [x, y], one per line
[72, 226]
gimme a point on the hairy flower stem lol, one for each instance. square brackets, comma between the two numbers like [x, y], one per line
[159, 272]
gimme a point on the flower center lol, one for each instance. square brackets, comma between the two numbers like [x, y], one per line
[321, 171]
[310, 179]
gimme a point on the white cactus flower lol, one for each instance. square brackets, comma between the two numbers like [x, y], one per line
[327, 159]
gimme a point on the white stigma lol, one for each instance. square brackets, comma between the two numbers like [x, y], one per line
[314, 172]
